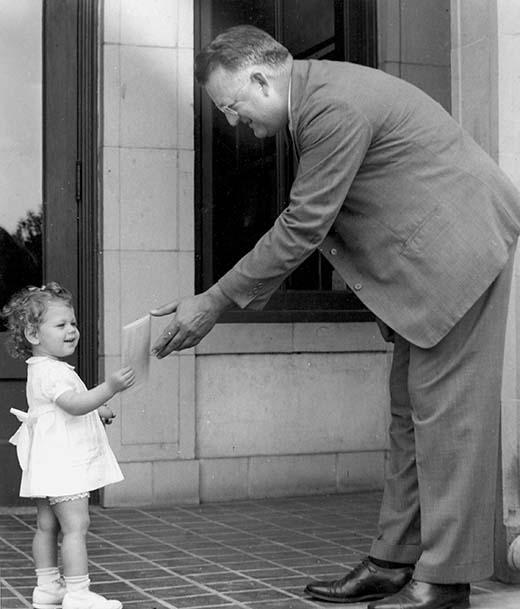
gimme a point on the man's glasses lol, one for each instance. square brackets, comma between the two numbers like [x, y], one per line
[228, 110]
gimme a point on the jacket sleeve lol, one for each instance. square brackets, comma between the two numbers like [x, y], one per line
[332, 140]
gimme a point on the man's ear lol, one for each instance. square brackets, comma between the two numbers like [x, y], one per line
[262, 80]
[31, 334]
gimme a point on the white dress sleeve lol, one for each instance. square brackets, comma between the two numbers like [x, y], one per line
[58, 380]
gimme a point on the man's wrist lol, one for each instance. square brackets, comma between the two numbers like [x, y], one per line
[219, 300]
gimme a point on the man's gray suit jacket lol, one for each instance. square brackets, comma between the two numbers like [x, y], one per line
[411, 212]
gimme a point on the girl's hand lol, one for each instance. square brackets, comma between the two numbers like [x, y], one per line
[105, 414]
[121, 379]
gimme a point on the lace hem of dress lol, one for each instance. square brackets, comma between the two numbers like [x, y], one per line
[62, 498]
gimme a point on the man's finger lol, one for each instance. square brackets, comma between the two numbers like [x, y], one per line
[163, 351]
[163, 345]
[166, 309]
[186, 342]
[179, 341]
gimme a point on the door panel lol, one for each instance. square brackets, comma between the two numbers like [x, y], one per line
[60, 142]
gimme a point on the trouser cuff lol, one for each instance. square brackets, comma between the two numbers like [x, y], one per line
[408, 554]
[449, 574]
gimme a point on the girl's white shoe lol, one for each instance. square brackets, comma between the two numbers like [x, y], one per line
[49, 596]
[89, 600]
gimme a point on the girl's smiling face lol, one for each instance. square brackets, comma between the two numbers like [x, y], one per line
[58, 335]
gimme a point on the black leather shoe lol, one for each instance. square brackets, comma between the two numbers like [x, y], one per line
[422, 595]
[365, 582]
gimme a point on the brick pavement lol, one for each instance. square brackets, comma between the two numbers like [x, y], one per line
[248, 554]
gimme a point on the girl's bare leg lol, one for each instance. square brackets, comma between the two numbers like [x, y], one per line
[45, 542]
[74, 520]
[49, 590]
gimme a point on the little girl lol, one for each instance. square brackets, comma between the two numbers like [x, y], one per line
[61, 445]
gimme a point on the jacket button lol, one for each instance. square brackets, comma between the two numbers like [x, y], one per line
[333, 251]
[358, 286]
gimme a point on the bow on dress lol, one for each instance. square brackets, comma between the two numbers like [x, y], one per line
[24, 436]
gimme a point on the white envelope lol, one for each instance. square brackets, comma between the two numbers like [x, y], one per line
[136, 348]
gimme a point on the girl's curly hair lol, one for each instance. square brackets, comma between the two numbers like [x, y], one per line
[26, 309]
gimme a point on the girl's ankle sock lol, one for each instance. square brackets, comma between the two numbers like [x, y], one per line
[47, 575]
[77, 583]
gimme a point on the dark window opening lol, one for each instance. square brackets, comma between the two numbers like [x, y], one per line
[243, 183]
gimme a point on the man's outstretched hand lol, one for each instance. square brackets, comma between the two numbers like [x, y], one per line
[194, 317]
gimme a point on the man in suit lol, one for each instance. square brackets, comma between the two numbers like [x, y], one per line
[422, 224]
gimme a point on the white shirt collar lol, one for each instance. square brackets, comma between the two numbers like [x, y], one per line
[289, 104]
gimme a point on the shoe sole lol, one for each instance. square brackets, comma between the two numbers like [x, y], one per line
[459, 605]
[46, 606]
[358, 599]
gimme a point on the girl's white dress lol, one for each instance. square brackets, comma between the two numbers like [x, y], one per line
[60, 454]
